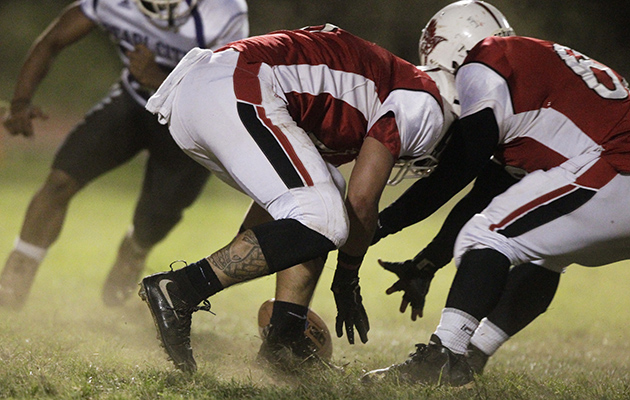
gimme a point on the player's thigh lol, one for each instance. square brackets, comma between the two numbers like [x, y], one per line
[549, 220]
[597, 233]
[172, 179]
[260, 150]
[105, 139]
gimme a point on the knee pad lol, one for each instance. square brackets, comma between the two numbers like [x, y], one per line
[287, 242]
[338, 179]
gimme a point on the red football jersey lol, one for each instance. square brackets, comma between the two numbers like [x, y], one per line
[340, 89]
[552, 103]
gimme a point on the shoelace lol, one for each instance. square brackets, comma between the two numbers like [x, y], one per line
[420, 353]
[186, 312]
[205, 304]
[185, 315]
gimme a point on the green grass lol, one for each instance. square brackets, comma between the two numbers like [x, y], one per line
[66, 344]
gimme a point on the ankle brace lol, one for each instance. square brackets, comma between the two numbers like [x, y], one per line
[488, 337]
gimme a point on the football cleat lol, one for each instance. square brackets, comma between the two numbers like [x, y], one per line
[16, 280]
[431, 364]
[477, 359]
[124, 276]
[290, 356]
[172, 316]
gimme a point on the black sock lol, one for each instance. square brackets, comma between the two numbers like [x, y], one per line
[288, 320]
[527, 294]
[198, 281]
[479, 282]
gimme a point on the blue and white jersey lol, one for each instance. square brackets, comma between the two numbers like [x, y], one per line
[212, 24]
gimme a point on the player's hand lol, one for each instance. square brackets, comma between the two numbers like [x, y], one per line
[143, 67]
[19, 120]
[350, 310]
[414, 280]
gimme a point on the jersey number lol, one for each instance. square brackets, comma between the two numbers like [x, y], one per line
[583, 67]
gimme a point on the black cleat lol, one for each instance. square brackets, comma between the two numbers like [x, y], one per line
[477, 359]
[172, 317]
[431, 364]
[290, 356]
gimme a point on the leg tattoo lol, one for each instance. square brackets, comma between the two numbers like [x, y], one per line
[242, 259]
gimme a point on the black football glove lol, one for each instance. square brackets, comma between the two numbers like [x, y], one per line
[350, 310]
[414, 279]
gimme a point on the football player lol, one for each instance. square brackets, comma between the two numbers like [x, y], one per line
[151, 37]
[561, 117]
[296, 285]
[291, 106]
[531, 286]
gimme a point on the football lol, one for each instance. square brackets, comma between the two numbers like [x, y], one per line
[316, 329]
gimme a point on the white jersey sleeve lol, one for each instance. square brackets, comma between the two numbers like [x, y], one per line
[479, 87]
[419, 119]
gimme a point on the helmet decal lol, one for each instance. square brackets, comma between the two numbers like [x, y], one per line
[459, 27]
[430, 39]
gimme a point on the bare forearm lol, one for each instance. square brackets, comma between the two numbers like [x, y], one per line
[33, 71]
[69, 27]
[365, 186]
[362, 226]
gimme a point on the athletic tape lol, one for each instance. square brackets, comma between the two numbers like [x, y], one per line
[30, 250]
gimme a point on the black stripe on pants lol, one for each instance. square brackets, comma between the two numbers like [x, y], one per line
[269, 146]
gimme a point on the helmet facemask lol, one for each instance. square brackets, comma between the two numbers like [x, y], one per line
[166, 10]
[444, 45]
[418, 167]
[412, 168]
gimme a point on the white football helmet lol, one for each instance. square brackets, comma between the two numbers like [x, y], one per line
[444, 45]
[457, 28]
[166, 10]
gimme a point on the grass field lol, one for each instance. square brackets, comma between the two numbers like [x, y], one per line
[66, 344]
